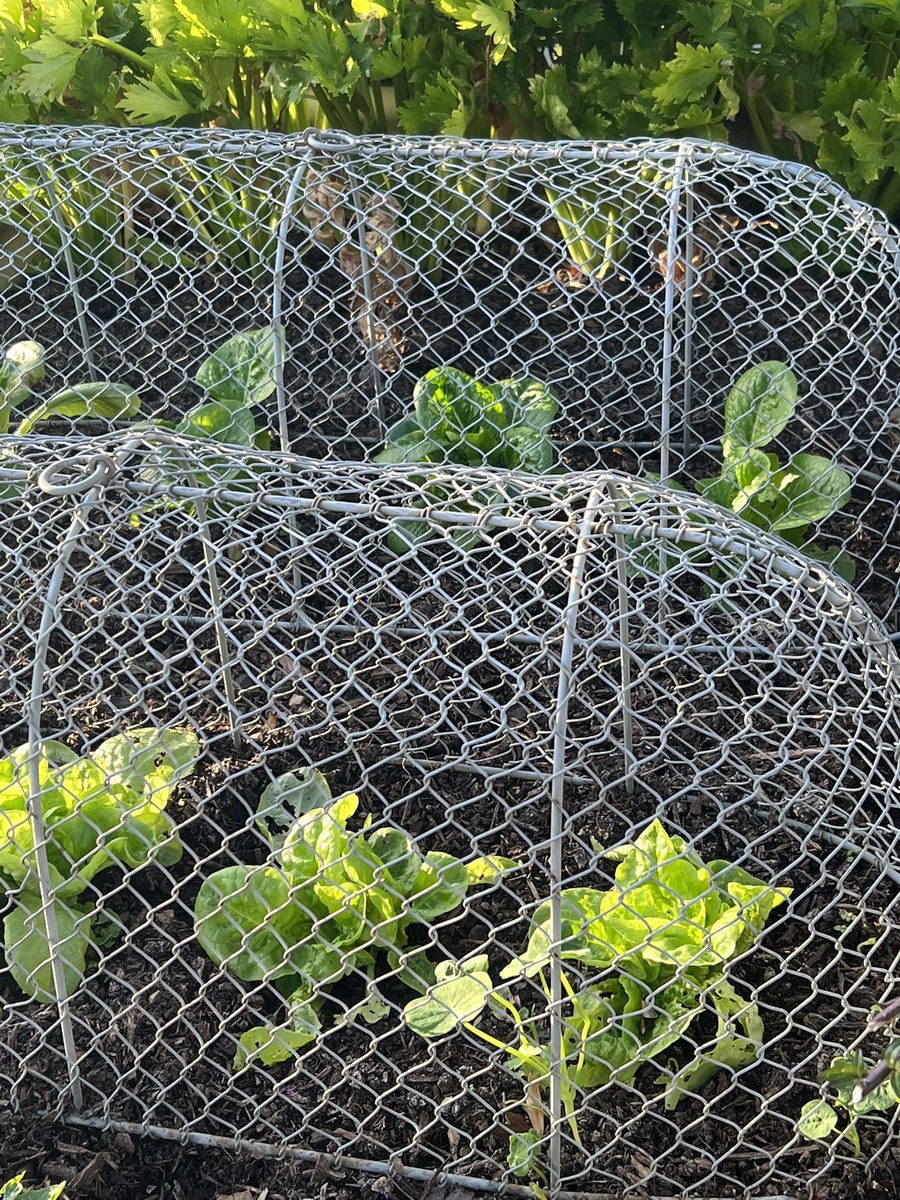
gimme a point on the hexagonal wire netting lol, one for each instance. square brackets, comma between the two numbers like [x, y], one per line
[638, 279]
[534, 680]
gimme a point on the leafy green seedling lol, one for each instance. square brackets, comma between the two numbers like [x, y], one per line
[23, 365]
[787, 499]
[662, 938]
[457, 419]
[326, 902]
[106, 809]
[14, 1189]
[857, 1089]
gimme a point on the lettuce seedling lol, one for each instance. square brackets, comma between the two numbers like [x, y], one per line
[456, 419]
[323, 905]
[788, 499]
[660, 940]
[106, 809]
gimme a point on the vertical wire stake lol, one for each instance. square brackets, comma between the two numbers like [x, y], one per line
[365, 269]
[668, 349]
[624, 641]
[215, 591]
[101, 470]
[557, 826]
[690, 278]
[66, 242]
[284, 435]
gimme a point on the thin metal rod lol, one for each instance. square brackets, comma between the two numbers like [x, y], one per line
[368, 1166]
[668, 345]
[65, 238]
[278, 333]
[725, 649]
[215, 592]
[284, 225]
[668, 353]
[90, 486]
[625, 650]
[687, 353]
[215, 595]
[557, 829]
[365, 262]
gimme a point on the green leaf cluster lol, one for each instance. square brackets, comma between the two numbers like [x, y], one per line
[660, 940]
[786, 499]
[238, 377]
[106, 809]
[22, 366]
[855, 1091]
[457, 419]
[14, 1189]
[323, 906]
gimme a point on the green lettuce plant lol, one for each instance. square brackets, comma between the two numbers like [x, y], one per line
[106, 809]
[457, 419]
[657, 948]
[324, 905]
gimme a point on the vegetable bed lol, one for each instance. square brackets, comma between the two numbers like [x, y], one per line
[159, 1023]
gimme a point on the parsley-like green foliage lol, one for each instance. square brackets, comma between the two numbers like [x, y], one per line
[106, 809]
[323, 905]
[457, 419]
[657, 947]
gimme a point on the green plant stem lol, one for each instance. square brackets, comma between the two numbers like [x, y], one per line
[337, 118]
[756, 121]
[378, 101]
[888, 197]
[131, 56]
[243, 102]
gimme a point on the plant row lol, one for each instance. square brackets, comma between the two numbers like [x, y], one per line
[817, 81]
[644, 960]
[459, 420]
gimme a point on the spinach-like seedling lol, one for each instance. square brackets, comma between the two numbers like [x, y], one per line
[237, 377]
[105, 809]
[857, 1089]
[784, 499]
[22, 366]
[458, 420]
[658, 944]
[323, 905]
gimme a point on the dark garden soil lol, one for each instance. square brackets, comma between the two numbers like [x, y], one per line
[157, 1026]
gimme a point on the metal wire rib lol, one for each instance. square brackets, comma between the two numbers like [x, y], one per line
[548, 669]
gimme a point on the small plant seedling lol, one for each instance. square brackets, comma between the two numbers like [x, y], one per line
[326, 902]
[784, 499]
[22, 366]
[458, 420]
[857, 1089]
[105, 809]
[662, 939]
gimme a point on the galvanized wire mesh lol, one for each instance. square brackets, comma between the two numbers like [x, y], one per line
[638, 279]
[539, 678]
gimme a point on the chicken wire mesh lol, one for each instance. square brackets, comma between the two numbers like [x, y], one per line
[639, 280]
[535, 681]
